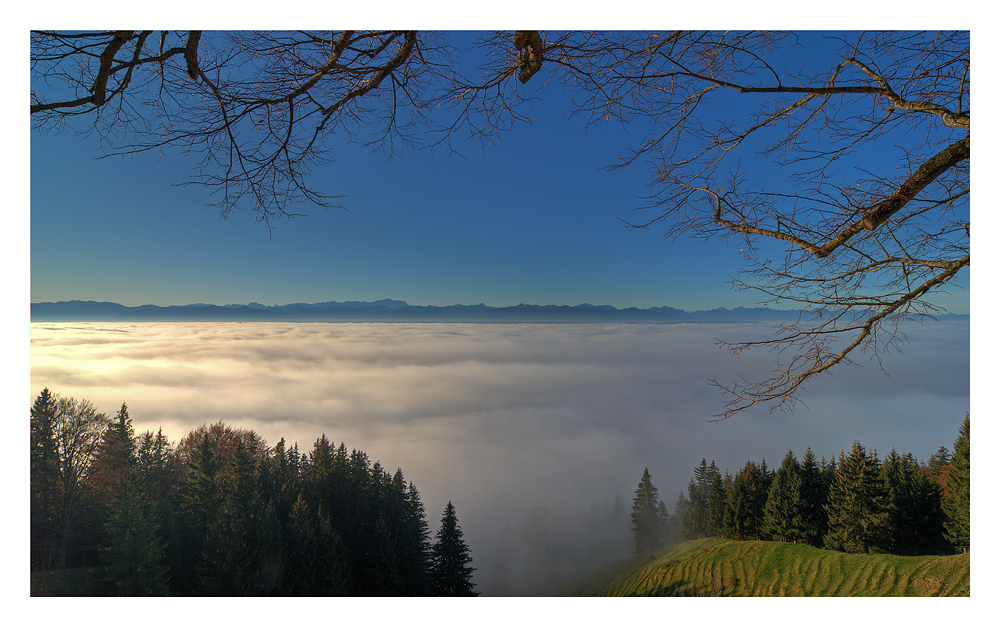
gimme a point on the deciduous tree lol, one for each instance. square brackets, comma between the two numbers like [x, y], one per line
[78, 428]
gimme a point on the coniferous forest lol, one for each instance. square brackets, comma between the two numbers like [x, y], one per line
[220, 513]
[854, 503]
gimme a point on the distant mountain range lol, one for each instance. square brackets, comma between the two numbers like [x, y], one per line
[388, 310]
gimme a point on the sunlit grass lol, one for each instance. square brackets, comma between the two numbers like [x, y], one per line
[714, 567]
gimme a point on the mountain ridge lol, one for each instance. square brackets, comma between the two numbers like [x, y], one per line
[390, 310]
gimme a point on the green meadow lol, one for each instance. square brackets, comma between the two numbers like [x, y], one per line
[717, 567]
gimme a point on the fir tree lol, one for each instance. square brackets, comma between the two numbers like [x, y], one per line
[672, 524]
[810, 520]
[920, 530]
[200, 498]
[781, 507]
[938, 466]
[133, 551]
[958, 497]
[450, 573]
[717, 498]
[694, 523]
[647, 521]
[745, 507]
[857, 520]
[700, 519]
[116, 454]
[44, 482]
[317, 564]
[242, 552]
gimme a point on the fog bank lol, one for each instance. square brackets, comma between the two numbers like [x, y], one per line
[532, 431]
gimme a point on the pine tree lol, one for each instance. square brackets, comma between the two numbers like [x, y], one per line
[647, 522]
[450, 573]
[781, 506]
[857, 519]
[958, 497]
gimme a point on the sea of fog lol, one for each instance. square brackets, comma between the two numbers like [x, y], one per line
[532, 431]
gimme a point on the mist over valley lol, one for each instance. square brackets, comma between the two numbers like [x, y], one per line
[531, 430]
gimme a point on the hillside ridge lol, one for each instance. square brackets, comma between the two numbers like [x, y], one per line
[718, 567]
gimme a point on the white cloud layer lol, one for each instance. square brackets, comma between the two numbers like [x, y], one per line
[504, 419]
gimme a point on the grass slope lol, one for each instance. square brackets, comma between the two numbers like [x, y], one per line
[716, 567]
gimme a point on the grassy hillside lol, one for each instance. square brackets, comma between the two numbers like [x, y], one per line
[714, 567]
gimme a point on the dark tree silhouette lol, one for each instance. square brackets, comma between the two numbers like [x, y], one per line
[450, 573]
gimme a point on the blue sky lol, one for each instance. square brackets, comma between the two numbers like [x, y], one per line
[532, 220]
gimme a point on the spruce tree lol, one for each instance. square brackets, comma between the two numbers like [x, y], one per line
[694, 523]
[450, 573]
[857, 519]
[316, 560]
[745, 507]
[116, 454]
[415, 544]
[242, 551]
[920, 532]
[648, 525]
[781, 507]
[44, 482]
[938, 466]
[958, 496]
[199, 501]
[810, 520]
[133, 551]
[716, 501]
[897, 501]
[672, 524]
